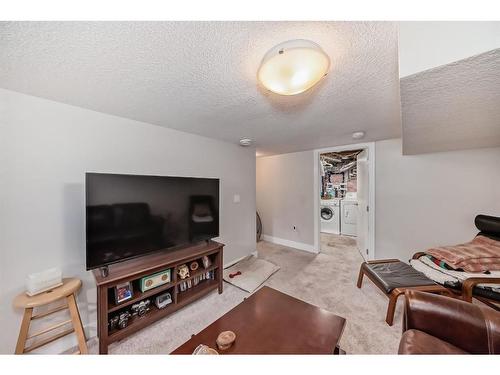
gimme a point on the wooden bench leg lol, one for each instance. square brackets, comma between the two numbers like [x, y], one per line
[23, 332]
[361, 274]
[391, 308]
[77, 324]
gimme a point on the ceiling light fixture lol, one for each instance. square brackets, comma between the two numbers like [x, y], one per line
[358, 135]
[245, 142]
[293, 67]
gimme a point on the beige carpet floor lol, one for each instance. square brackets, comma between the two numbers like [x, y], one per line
[327, 280]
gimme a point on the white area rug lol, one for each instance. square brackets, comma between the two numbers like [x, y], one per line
[254, 272]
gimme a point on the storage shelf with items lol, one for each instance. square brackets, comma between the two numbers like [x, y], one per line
[195, 272]
[197, 291]
[124, 319]
[137, 295]
[139, 292]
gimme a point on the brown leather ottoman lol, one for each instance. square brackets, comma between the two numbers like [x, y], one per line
[394, 277]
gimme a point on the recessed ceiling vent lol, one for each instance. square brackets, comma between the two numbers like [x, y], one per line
[358, 135]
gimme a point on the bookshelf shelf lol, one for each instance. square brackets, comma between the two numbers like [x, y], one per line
[133, 270]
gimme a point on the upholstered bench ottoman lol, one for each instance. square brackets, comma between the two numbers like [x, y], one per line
[393, 277]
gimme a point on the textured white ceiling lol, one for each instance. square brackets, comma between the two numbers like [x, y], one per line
[452, 107]
[200, 77]
[427, 44]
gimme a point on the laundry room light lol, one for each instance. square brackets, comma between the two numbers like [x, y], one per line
[293, 67]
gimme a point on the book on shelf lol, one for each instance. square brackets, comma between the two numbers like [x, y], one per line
[194, 281]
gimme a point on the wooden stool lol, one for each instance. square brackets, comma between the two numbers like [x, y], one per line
[67, 290]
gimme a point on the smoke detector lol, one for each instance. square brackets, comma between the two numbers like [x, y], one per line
[358, 135]
[245, 142]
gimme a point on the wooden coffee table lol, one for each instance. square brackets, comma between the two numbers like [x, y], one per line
[271, 322]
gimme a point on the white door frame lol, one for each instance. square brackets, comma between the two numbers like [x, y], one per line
[370, 149]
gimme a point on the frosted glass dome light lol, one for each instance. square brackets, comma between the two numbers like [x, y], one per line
[293, 67]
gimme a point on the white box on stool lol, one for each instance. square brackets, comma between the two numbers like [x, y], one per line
[42, 281]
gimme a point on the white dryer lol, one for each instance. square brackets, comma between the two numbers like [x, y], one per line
[349, 217]
[330, 216]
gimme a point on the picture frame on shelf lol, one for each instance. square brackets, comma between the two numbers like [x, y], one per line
[123, 292]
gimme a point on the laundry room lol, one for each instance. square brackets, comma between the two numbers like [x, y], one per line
[341, 189]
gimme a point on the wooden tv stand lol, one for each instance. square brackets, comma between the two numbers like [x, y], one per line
[135, 269]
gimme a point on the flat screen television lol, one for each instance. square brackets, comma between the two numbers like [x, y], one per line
[128, 216]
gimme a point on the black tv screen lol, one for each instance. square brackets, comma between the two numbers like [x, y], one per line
[131, 215]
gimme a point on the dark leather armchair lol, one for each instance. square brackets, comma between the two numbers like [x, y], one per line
[434, 324]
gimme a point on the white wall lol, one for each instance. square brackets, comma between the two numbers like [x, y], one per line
[421, 200]
[426, 44]
[284, 191]
[46, 148]
[431, 199]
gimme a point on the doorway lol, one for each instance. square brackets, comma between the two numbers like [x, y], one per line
[344, 197]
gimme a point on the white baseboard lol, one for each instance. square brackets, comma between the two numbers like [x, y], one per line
[295, 245]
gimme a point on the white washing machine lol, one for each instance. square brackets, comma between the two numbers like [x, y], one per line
[349, 215]
[330, 216]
